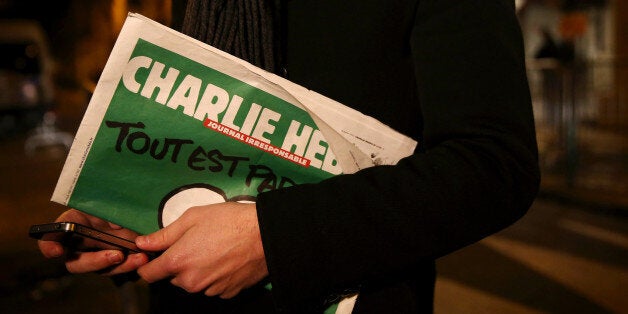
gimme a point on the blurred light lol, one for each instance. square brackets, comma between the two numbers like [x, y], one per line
[29, 92]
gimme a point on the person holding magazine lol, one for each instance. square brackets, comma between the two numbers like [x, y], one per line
[448, 73]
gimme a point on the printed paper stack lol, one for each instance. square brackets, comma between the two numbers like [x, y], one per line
[175, 123]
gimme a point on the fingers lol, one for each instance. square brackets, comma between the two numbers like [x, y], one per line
[74, 215]
[165, 265]
[232, 284]
[223, 289]
[162, 239]
[132, 263]
[106, 262]
[80, 257]
[114, 226]
[77, 216]
[50, 249]
[216, 249]
[157, 269]
[85, 262]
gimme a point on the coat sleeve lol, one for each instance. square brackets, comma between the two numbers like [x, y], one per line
[476, 173]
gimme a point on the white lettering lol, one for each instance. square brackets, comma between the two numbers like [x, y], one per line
[264, 126]
[232, 111]
[315, 148]
[128, 77]
[250, 119]
[186, 95]
[297, 139]
[155, 80]
[213, 102]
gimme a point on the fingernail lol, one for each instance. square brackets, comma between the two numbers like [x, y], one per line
[139, 259]
[115, 257]
[141, 241]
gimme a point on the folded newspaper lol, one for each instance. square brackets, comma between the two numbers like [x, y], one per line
[175, 123]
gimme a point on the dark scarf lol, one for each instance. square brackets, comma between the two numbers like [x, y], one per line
[247, 29]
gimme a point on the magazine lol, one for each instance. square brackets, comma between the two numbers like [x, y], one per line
[175, 123]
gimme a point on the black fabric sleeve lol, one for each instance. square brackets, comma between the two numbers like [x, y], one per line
[476, 174]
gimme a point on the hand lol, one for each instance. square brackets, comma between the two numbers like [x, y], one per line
[214, 248]
[107, 262]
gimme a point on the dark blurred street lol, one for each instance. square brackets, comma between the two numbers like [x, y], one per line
[29, 283]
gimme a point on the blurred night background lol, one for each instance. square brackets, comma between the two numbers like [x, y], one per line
[568, 255]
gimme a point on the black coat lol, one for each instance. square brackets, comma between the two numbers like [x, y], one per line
[449, 73]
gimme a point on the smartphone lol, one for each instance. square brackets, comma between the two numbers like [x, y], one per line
[71, 234]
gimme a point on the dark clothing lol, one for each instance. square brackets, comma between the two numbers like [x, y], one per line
[450, 74]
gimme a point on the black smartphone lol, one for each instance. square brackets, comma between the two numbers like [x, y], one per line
[71, 234]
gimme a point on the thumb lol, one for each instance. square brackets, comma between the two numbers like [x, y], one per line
[162, 239]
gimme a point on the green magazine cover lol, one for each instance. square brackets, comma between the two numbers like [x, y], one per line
[174, 123]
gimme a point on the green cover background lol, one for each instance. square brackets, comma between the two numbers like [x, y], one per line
[126, 188]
